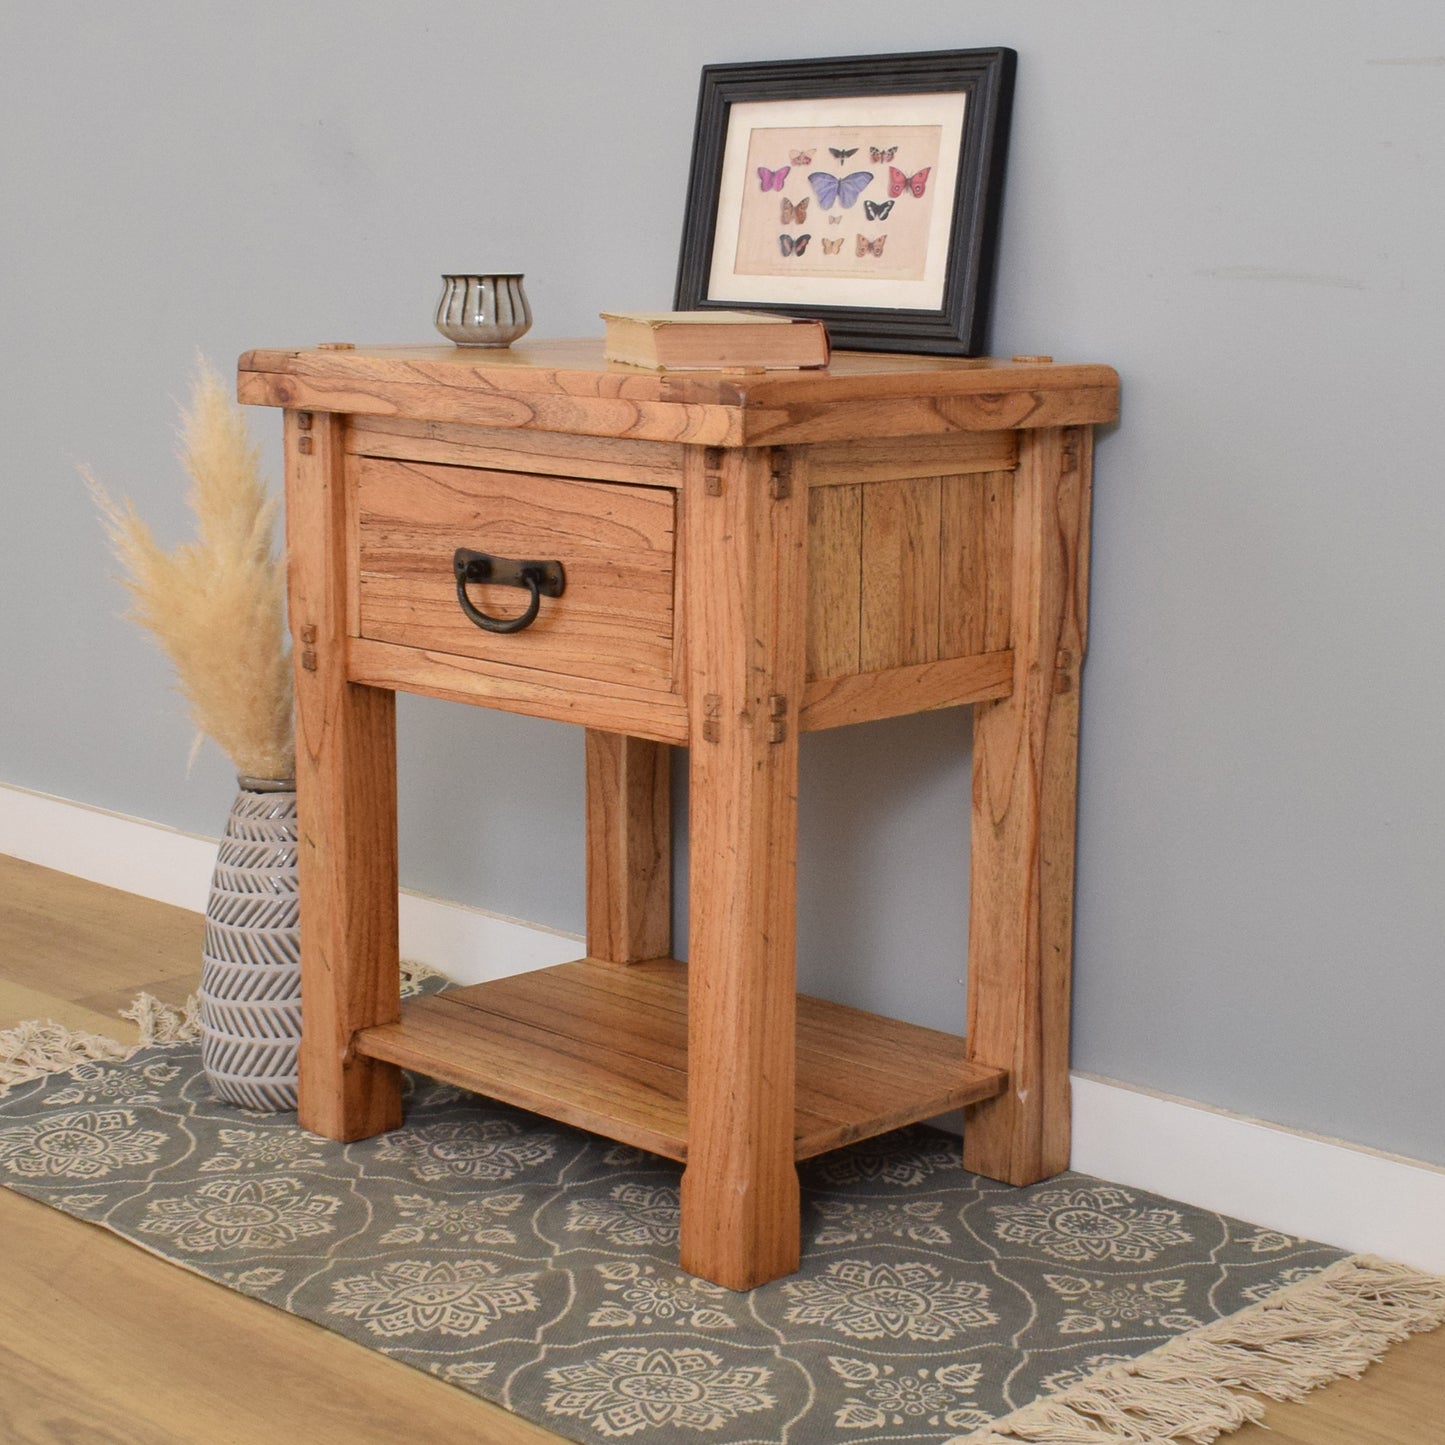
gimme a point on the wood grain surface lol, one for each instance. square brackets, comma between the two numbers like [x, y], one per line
[898, 616]
[891, 459]
[1025, 762]
[565, 386]
[835, 701]
[746, 658]
[629, 847]
[975, 563]
[605, 1047]
[78, 952]
[346, 803]
[609, 459]
[907, 571]
[613, 621]
[835, 580]
[611, 706]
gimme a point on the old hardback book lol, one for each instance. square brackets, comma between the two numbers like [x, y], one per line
[714, 340]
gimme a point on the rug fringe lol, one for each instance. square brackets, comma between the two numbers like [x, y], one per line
[33, 1049]
[160, 1024]
[414, 975]
[1204, 1383]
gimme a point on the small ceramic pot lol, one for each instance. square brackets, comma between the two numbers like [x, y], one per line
[483, 310]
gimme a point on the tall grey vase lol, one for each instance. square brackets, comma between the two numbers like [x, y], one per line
[250, 992]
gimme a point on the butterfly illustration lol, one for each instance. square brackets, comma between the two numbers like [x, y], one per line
[841, 156]
[871, 248]
[844, 189]
[801, 158]
[794, 214]
[831, 248]
[835, 220]
[773, 180]
[898, 182]
[878, 210]
[879, 156]
[793, 245]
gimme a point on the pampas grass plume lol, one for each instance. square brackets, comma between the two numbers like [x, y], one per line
[216, 605]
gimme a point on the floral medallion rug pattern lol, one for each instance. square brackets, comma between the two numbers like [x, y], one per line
[536, 1265]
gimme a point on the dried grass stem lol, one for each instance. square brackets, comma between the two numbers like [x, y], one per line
[216, 605]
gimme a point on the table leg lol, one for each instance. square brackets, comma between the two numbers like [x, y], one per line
[346, 800]
[629, 848]
[746, 538]
[1025, 764]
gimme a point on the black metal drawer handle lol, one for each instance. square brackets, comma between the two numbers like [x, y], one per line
[541, 579]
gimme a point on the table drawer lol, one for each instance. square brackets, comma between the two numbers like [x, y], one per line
[614, 619]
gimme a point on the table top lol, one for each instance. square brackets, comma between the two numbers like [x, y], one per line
[566, 385]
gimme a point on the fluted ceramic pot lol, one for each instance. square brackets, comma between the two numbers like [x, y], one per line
[483, 310]
[250, 995]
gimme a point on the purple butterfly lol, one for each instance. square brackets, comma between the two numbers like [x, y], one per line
[773, 180]
[843, 189]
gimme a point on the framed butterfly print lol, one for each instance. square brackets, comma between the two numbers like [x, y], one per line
[901, 157]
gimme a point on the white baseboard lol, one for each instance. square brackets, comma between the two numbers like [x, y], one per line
[111, 848]
[468, 944]
[1323, 1189]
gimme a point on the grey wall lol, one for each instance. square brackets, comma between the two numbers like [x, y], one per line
[1237, 205]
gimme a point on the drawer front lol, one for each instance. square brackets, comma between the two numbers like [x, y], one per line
[614, 620]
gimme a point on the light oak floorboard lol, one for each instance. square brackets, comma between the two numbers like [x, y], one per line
[102, 1343]
[1398, 1401]
[92, 947]
[18, 1002]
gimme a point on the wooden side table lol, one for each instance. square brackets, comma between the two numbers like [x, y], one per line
[742, 558]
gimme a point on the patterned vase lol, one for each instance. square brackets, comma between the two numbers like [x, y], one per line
[484, 310]
[250, 993]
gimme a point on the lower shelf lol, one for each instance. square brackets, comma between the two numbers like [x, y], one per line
[604, 1046]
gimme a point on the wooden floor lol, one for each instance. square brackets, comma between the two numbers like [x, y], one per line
[101, 1343]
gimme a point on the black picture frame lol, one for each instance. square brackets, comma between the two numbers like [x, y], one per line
[954, 315]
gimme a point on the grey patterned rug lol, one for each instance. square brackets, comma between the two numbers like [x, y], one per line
[536, 1265]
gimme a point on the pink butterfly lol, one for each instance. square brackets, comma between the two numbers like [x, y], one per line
[898, 182]
[773, 180]
[865, 247]
[801, 158]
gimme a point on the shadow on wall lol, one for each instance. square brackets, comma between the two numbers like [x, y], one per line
[883, 821]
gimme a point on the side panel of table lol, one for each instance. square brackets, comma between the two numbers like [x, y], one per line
[950, 569]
